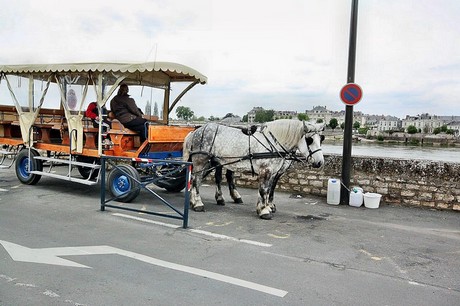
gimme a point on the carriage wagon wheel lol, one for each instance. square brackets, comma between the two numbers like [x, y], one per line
[121, 183]
[24, 165]
[170, 178]
[85, 172]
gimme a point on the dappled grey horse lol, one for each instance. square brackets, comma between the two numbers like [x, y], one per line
[268, 152]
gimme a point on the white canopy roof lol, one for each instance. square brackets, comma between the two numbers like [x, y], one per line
[149, 73]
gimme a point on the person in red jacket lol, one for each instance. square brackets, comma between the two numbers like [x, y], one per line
[93, 113]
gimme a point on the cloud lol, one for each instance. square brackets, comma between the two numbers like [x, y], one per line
[290, 55]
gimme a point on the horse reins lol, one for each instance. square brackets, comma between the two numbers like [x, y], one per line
[273, 151]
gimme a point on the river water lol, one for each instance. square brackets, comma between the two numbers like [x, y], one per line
[435, 153]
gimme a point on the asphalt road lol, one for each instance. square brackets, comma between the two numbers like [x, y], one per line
[58, 248]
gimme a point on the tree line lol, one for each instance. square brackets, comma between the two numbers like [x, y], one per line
[261, 116]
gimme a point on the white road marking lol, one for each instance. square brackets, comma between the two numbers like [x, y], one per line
[50, 294]
[25, 285]
[146, 220]
[416, 284]
[197, 231]
[50, 256]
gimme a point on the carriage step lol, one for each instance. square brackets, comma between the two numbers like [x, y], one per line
[65, 177]
[4, 152]
[66, 161]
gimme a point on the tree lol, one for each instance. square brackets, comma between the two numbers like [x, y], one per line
[184, 112]
[245, 118]
[342, 125]
[270, 114]
[319, 120]
[356, 125]
[148, 108]
[155, 109]
[333, 123]
[412, 129]
[302, 117]
[212, 118]
[264, 116]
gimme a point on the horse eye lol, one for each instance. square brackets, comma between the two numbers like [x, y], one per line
[322, 138]
[309, 140]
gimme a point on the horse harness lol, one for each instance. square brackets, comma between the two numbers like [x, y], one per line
[272, 151]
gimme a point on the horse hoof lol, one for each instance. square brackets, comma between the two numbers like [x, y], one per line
[238, 201]
[198, 208]
[266, 216]
[221, 202]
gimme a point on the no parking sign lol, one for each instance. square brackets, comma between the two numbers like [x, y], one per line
[351, 94]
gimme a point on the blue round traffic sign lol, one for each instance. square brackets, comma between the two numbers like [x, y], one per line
[351, 94]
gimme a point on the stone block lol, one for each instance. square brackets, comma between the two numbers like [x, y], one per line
[410, 201]
[382, 191]
[428, 203]
[407, 193]
[443, 206]
[316, 184]
[425, 196]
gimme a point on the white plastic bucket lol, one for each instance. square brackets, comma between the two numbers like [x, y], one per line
[372, 200]
[356, 197]
[333, 191]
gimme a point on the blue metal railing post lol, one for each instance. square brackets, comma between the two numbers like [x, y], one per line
[188, 174]
[144, 185]
[102, 183]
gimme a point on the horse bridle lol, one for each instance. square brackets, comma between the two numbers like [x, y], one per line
[284, 153]
[309, 141]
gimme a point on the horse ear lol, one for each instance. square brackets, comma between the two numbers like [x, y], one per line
[308, 127]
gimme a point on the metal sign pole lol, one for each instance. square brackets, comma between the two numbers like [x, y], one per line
[347, 137]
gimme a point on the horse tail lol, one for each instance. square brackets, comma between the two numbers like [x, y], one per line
[187, 146]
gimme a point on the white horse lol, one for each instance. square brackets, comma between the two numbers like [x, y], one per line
[267, 152]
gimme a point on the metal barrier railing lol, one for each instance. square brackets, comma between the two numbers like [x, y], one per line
[142, 184]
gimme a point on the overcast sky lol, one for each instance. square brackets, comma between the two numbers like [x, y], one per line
[281, 55]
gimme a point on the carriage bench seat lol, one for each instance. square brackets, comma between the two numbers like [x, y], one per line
[44, 131]
[5, 128]
[62, 128]
[123, 137]
[118, 128]
[90, 137]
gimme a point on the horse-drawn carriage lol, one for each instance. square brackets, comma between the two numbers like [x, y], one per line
[45, 126]
[36, 136]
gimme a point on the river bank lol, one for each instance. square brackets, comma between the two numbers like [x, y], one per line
[418, 139]
[396, 150]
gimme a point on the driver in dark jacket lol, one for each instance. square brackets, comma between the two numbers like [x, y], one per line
[126, 111]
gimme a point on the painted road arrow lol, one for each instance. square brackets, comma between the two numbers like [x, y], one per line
[50, 256]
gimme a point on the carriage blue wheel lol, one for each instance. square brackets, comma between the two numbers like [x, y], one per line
[24, 165]
[122, 183]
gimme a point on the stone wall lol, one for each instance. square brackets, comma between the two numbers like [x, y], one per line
[400, 181]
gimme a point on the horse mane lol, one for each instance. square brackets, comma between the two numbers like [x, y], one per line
[286, 131]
